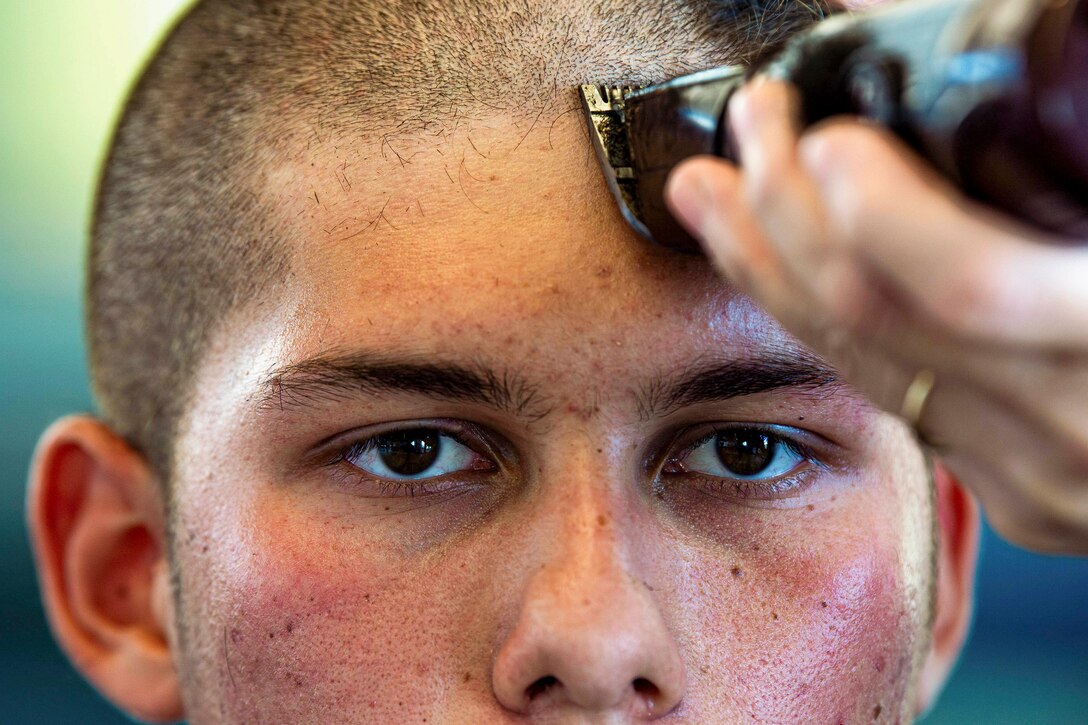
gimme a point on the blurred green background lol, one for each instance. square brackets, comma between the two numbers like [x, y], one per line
[64, 68]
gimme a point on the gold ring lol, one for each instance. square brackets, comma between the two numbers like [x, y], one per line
[914, 400]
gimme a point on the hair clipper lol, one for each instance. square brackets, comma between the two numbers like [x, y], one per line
[993, 93]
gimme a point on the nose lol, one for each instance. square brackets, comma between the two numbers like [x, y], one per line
[589, 634]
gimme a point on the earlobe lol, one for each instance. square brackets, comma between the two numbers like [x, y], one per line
[958, 527]
[98, 532]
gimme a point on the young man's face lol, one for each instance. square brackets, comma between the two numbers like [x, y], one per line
[486, 455]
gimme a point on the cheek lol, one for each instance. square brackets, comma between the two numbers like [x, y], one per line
[817, 634]
[309, 622]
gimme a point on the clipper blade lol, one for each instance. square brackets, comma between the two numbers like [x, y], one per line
[641, 134]
[604, 108]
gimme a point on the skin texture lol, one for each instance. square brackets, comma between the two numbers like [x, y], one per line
[578, 569]
[304, 590]
[864, 253]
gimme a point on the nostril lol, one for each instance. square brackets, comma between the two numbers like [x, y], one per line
[540, 687]
[646, 688]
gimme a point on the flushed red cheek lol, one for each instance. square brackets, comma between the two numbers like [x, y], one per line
[811, 637]
[311, 625]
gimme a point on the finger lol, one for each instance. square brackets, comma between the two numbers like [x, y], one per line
[763, 118]
[1026, 480]
[707, 196]
[1044, 390]
[782, 195]
[977, 274]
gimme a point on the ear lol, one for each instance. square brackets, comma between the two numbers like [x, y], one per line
[98, 533]
[958, 526]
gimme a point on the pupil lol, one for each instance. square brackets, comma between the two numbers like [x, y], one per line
[407, 453]
[745, 452]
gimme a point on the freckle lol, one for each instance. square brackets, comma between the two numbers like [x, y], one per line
[823, 603]
[774, 616]
[467, 677]
[810, 507]
[271, 635]
[800, 417]
[876, 711]
[290, 626]
[736, 572]
[601, 520]
[600, 450]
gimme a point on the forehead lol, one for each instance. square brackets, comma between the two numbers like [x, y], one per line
[501, 228]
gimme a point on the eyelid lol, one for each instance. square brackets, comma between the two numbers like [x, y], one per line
[801, 441]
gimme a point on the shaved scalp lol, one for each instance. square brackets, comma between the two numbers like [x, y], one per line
[184, 230]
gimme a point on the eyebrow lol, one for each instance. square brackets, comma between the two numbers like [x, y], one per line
[333, 378]
[708, 380]
[336, 377]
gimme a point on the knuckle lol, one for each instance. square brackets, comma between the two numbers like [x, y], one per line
[978, 299]
[766, 191]
[847, 298]
[839, 147]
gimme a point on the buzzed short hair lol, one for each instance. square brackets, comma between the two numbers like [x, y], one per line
[183, 231]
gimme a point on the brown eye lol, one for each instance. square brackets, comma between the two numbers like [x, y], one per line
[745, 452]
[418, 453]
[410, 452]
[740, 453]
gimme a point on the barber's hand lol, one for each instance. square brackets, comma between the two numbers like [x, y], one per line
[874, 261]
